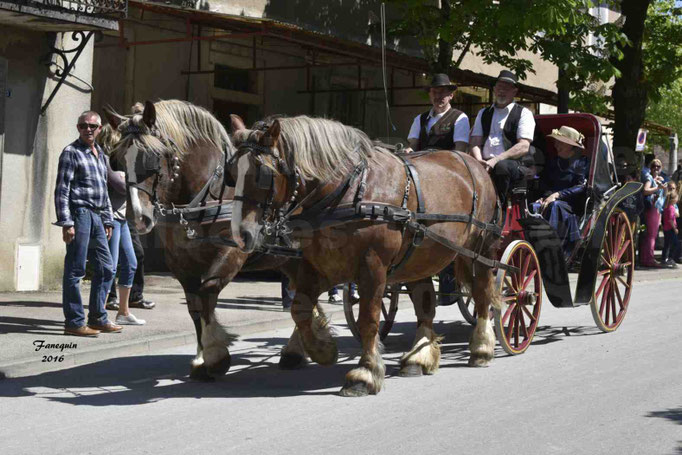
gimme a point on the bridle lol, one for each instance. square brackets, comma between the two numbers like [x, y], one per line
[273, 220]
[149, 163]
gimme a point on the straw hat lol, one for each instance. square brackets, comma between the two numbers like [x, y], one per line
[568, 135]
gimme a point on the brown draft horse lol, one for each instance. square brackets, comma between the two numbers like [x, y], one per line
[170, 152]
[309, 158]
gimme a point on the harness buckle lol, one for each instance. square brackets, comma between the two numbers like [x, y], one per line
[419, 235]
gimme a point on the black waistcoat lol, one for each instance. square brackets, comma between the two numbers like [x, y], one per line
[440, 135]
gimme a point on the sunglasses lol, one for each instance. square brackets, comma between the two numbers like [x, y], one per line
[655, 167]
[92, 126]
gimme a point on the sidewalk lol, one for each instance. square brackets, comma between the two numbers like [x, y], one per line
[244, 307]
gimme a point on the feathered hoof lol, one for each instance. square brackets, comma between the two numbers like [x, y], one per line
[323, 353]
[292, 361]
[354, 389]
[220, 368]
[411, 370]
[479, 361]
[200, 373]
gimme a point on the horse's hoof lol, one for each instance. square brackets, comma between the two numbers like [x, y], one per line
[479, 362]
[220, 368]
[411, 370]
[200, 373]
[324, 356]
[354, 389]
[292, 361]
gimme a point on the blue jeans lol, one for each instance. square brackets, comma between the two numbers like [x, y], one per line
[90, 241]
[121, 244]
[671, 246]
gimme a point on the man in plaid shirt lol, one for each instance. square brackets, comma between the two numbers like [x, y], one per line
[84, 213]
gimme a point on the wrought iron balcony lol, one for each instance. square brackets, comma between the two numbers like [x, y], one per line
[108, 9]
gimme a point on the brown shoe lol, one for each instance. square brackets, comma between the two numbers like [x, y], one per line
[109, 327]
[84, 331]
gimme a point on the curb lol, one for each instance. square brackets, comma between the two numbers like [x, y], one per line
[136, 347]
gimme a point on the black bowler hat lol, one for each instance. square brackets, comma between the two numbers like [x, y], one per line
[441, 80]
[507, 76]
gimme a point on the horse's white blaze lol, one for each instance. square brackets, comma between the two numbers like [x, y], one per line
[425, 352]
[131, 159]
[243, 167]
[135, 202]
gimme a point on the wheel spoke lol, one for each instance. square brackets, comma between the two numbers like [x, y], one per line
[614, 313]
[522, 320]
[508, 282]
[603, 297]
[601, 287]
[621, 235]
[603, 272]
[620, 298]
[507, 313]
[620, 279]
[516, 329]
[607, 296]
[512, 322]
[528, 313]
[529, 278]
[524, 269]
[605, 260]
[622, 251]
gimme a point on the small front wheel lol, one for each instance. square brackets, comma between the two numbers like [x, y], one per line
[614, 275]
[521, 295]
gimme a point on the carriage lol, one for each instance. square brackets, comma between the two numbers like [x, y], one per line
[603, 257]
[357, 212]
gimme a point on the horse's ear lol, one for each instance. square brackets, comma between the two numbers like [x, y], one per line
[236, 123]
[272, 134]
[112, 117]
[149, 114]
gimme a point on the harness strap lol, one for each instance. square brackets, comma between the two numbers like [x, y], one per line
[457, 248]
[412, 172]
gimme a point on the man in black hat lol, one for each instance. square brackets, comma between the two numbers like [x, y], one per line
[502, 136]
[442, 127]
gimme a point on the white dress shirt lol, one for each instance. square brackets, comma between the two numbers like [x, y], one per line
[460, 133]
[494, 145]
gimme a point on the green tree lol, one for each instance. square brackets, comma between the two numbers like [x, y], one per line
[651, 63]
[667, 111]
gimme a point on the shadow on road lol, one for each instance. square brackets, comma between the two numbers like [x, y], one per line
[674, 415]
[31, 325]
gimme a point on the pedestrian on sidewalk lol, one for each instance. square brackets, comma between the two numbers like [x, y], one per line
[671, 246]
[84, 213]
[653, 191]
[120, 243]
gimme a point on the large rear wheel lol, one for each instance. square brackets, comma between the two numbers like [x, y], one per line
[614, 275]
[389, 307]
[521, 294]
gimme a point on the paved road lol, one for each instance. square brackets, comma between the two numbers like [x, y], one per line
[576, 391]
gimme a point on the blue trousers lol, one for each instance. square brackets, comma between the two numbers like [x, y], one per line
[122, 255]
[671, 246]
[90, 241]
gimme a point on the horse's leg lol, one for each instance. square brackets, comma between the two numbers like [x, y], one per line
[368, 377]
[312, 325]
[292, 355]
[214, 339]
[424, 357]
[485, 293]
[190, 285]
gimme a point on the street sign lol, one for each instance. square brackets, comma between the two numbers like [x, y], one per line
[641, 140]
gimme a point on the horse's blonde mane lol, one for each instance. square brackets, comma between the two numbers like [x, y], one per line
[183, 123]
[324, 149]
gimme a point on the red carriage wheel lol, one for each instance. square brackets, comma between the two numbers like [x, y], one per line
[389, 307]
[521, 294]
[614, 275]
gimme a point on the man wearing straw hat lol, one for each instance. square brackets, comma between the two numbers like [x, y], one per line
[502, 135]
[442, 127]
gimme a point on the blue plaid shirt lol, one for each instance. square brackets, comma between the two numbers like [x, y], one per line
[82, 182]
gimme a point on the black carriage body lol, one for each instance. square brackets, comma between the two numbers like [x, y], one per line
[604, 194]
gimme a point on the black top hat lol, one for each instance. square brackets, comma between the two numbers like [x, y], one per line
[507, 76]
[441, 80]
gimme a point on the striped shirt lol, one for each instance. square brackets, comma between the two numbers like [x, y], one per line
[81, 182]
